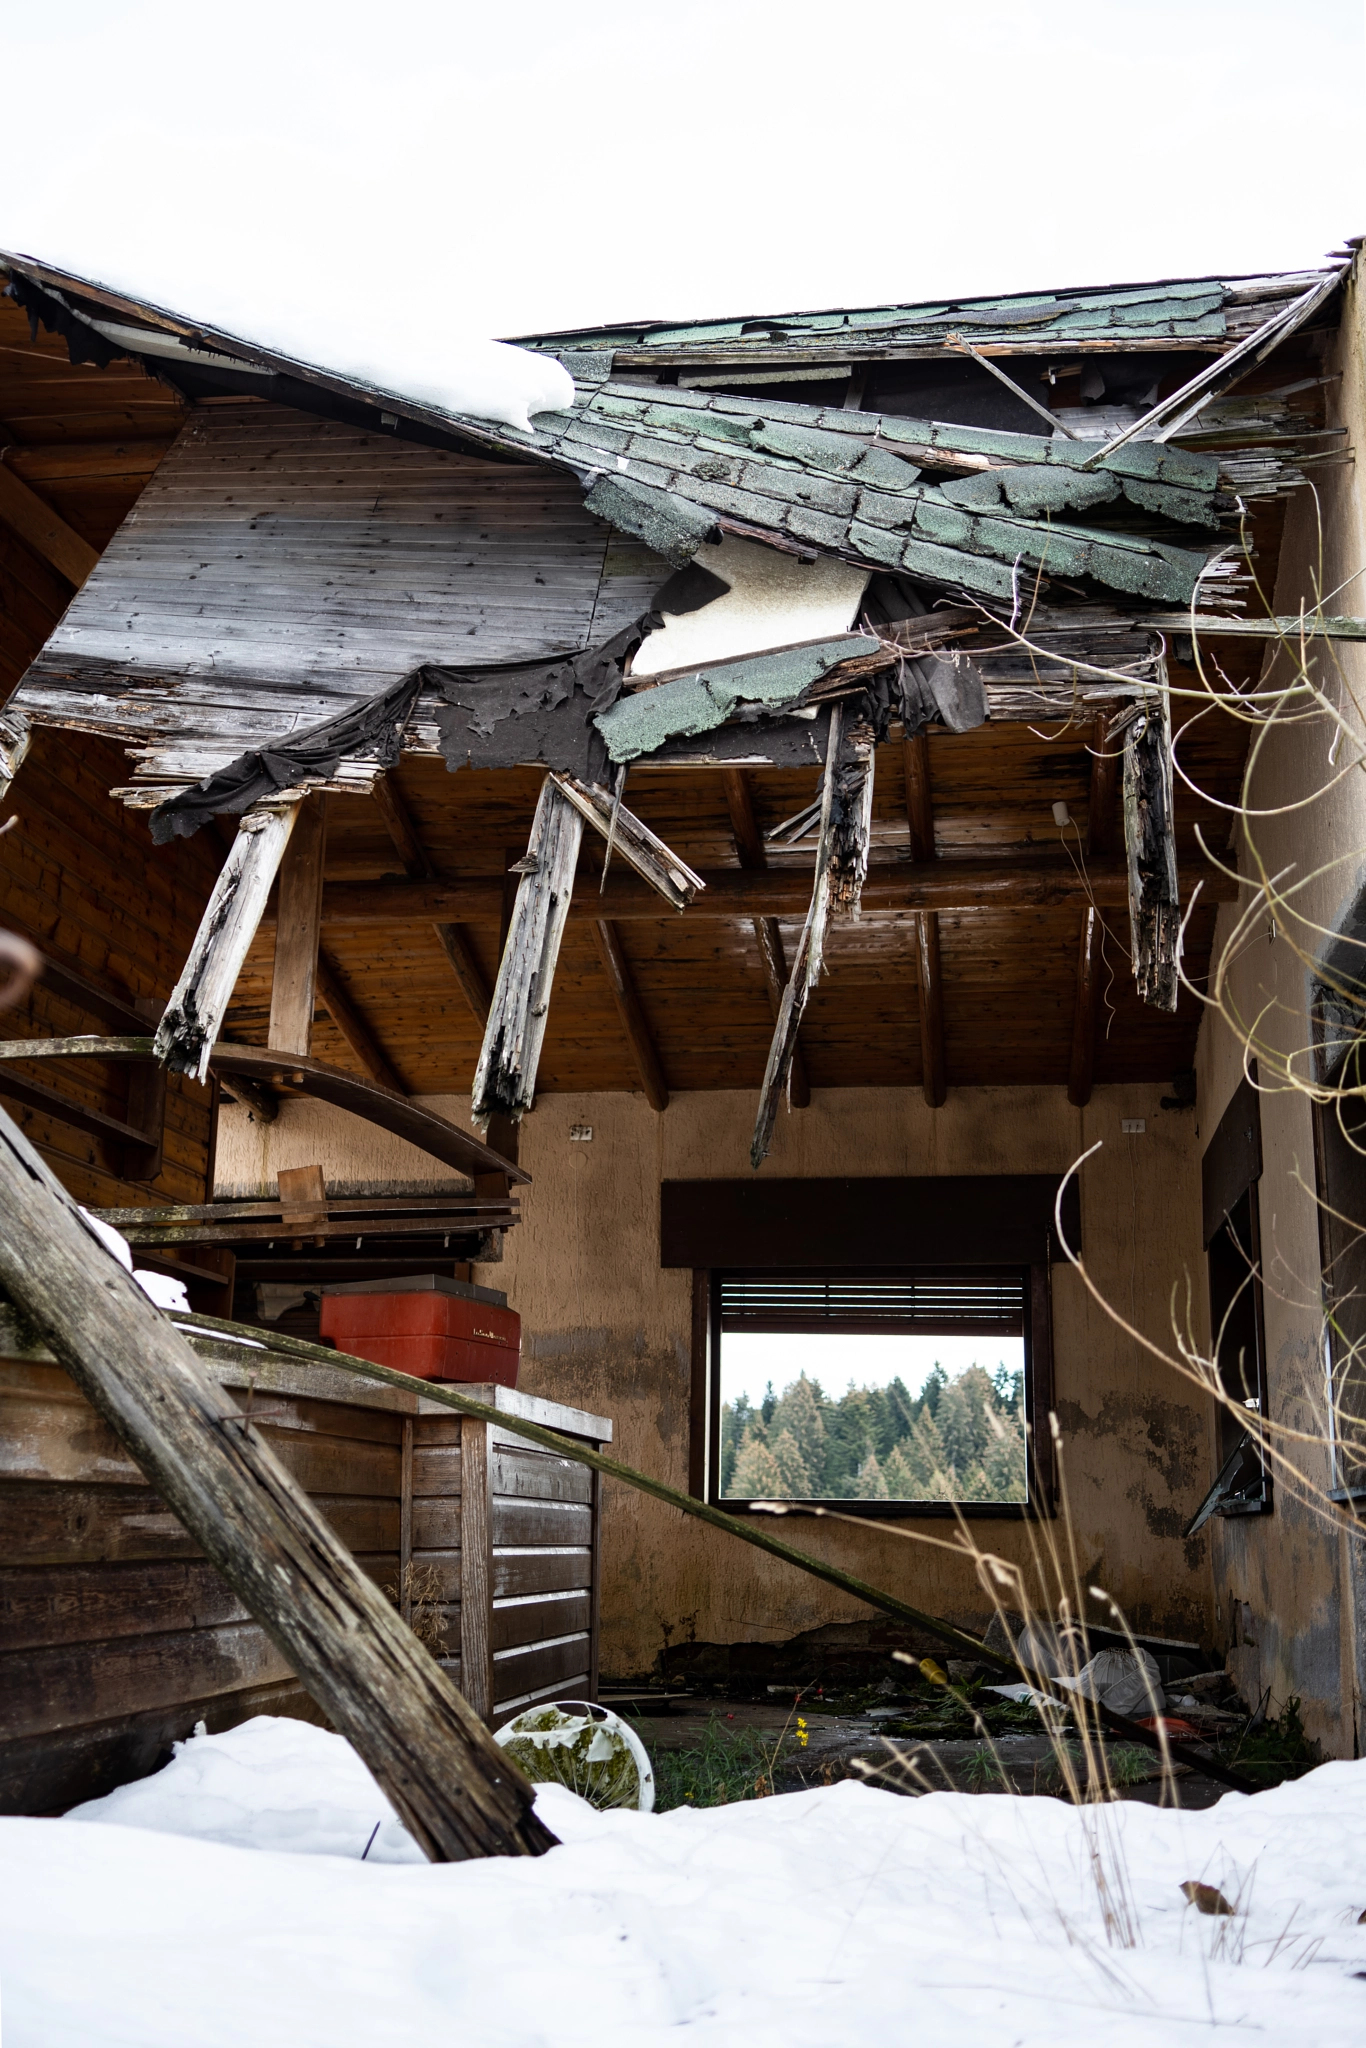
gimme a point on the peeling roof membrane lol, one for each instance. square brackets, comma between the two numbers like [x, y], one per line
[697, 703]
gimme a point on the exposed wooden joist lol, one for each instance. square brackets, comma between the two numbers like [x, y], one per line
[455, 941]
[634, 1022]
[1023, 882]
[44, 530]
[353, 1026]
[752, 853]
[199, 1001]
[297, 926]
[929, 969]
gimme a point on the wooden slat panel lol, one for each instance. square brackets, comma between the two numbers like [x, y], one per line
[62, 1523]
[42, 1690]
[436, 1523]
[539, 1475]
[528, 1670]
[533, 1621]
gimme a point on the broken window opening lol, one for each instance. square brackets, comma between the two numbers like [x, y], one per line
[1230, 1171]
[887, 1393]
[1340, 1161]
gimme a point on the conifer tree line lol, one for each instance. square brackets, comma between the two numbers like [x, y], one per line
[960, 1438]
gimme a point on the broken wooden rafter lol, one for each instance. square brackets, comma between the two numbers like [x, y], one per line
[841, 861]
[352, 1026]
[505, 1078]
[362, 1097]
[1149, 836]
[298, 921]
[455, 942]
[16, 732]
[199, 1001]
[652, 860]
[456, 1790]
[634, 1022]
[751, 853]
[1100, 807]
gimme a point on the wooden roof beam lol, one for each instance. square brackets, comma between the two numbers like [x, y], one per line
[454, 939]
[1021, 882]
[1100, 837]
[634, 1022]
[353, 1026]
[44, 530]
[752, 853]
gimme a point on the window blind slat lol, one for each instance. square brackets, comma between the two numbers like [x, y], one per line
[938, 1304]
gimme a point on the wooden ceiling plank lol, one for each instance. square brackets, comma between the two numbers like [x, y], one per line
[752, 853]
[455, 941]
[630, 1009]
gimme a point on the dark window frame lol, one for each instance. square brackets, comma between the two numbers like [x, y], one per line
[1230, 1172]
[1330, 1254]
[1041, 1478]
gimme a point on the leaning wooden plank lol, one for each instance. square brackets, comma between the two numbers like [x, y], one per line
[199, 1001]
[1149, 835]
[455, 1789]
[806, 967]
[257, 1064]
[636, 843]
[505, 1079]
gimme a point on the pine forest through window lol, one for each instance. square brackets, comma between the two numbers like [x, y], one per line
[837, 1390]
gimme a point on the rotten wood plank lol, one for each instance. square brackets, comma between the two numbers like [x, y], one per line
[634, 1022]
[652, 860]
[199, 1001]
[752, 853]
[456, 1791]
[1149, 834]
[505, 1078]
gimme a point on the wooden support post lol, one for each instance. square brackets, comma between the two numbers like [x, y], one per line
[476, 1553]
[1100, 811]
[353, 1026]
[456, 1790]
[1150, 841]
[929, 971]
[294, 986]
[505, 1079]
[194, 1016]
[44, 530]
[634, 1022]
[455, 940]
[752, 853]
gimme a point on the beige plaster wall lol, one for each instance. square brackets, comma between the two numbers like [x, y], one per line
[1288, 1590]
[606, 1328]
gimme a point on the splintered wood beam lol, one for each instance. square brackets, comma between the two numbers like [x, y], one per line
[199, 1001]
[636, 843]
[399, 824]
[1150, 841]
[15, 735]
[454, 939]
[455, 944]
[931, 977]
[806, 968]
[634, 1022]
[1082, 1068]
[293, 989]
[915, 755]
[353, 1026]
[459, 1794]
[44, 530]
[752, 853]
[505, 1078]
[1100, 814]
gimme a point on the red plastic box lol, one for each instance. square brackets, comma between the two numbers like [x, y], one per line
[434, 1328]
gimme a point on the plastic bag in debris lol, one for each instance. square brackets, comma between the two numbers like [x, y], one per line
[1125, 1681]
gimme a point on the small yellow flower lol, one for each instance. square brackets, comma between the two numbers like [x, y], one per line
[801, 1732]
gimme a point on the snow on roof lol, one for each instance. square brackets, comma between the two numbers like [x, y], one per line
[400, 342]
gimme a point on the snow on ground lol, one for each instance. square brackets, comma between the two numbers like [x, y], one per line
[818, 1919]
[404, 341]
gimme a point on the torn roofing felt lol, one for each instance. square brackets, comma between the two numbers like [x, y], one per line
[536, 712]
[373, 728]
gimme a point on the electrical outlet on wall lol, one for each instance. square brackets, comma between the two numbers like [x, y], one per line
[1133, 1126]
[581, 1134]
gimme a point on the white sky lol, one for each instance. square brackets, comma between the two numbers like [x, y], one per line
[749, 1360]
[530, 165]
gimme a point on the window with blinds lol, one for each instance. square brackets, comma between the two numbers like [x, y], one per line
[880, 1391]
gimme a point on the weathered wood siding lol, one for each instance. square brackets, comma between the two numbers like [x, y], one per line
[116, 1636]
[279, 566]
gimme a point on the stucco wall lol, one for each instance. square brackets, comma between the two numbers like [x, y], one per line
[1302, 1631]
